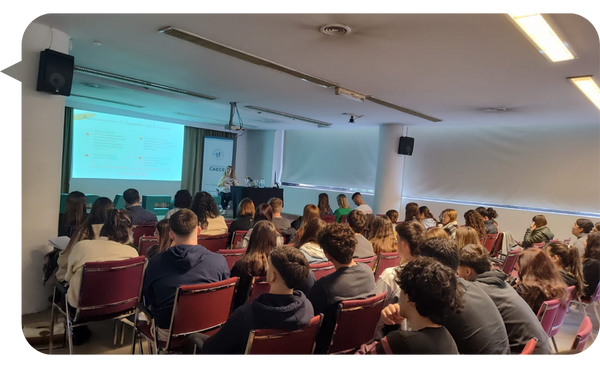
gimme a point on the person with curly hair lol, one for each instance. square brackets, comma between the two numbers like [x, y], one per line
[183, 199]
[539, 279]
[430, 295]
[209, 218]
[489, 215]
[474, 220]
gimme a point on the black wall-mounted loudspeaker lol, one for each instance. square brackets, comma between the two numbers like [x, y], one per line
[406, 146]
[55, 75]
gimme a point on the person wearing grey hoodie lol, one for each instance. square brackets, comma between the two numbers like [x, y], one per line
[538, 232]
[521, 323]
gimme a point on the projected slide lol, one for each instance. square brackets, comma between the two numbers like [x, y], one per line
[109, 146]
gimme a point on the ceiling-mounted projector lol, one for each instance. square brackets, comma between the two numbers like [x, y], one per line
[233, 127]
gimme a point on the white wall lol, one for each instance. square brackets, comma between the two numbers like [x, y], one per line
[294, 199]
[260, 145]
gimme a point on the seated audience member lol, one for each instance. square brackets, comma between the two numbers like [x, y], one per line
[90, 229]
[368, 225]
[74, 215]
[110, 246]
[596, 228]
[184, 263]
[245, 219]
[393, 216]
[383, 237]
[224, 187]
[139, 215]
[324, 208]
[410, 236]
[491, 227]
[581, 229]
[162, 235]
[183, 199]
[436, 232]
[209, 218]
[475, 221]
[448, 218]
[539, 279]
[358, 200]
[310, 212]
[411, 212]
[343, 207]
[538, 232]
[569, 265]
[262, 213]
[349, 281]
[309, 244]
[283, 308]
[430, 293]
[520, 321]
[427, 218]
[591, 264]
[478, 327]
[466, 235]
[254, 262]
[277, 206]
[357, 221]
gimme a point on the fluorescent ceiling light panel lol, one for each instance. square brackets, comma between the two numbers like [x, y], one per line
[589, 87]
[321, 124]
[543, 36]
[351, 95]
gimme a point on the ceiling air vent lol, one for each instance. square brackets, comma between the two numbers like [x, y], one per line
[335, 29]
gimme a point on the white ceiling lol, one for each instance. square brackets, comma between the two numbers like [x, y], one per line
[449, 66]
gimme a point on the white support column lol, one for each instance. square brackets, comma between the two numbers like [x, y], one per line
[390, 170]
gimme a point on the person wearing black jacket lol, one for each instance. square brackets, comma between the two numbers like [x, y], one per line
[245, 219]
[283, 308]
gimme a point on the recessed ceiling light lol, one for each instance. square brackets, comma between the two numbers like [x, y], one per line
[97, 43]
[495, 109]
[320, 124]
[589, 87]
[543, 36]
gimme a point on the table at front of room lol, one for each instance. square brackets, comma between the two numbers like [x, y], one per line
[257, 195]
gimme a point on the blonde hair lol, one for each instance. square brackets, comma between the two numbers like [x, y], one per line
[466, 235]
[452, 215]
[232, 172]
[384, 237]
[437, 232]
[342, 201]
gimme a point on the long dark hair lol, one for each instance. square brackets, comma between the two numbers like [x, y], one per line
[263, 240]
[117, 225]
[569, 259]
[311, 231]
[164, 241]
[205, 207]
[539, 277]
[411, 212]
[310, 212]
[98, 215]
[75, 211]
[324, 203]
[592, 249]
[263, 212]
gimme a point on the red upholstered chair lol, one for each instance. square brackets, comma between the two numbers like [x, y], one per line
[344, 219]
[140, 230]
[196, 308]
[356, 322]
[237, 237]
[369, 261]
[299, 342]
[585, 330]
[330, 219]
[510, 261]
[145, 243]
[228, 222]
[560, 316]
[258, 287]
[539, 245]
[594, 301]
[490, 242]
[529, 347]
[109, 290]
[322, 269]
[232, 255]
[386, 260]
[213, 242]
[547, 314]
[497, 245]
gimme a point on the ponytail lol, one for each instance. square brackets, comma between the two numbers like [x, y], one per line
[491, 213]
[574, 267]
[116, 227]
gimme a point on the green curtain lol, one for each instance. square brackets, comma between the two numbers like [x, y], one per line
[67, 151]
[193, 151]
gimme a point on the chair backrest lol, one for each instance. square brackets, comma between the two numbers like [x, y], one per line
[258, 287]
[510, 261]
[110, 287]
[213, 242]
[539, 245]
[232, 255]
[356, 322]
[490, 242]
[497, 245]
[214, 300]
[237, 237]
[547, 314]
[228, 222]
[530, 346]
[562, 312]
[330, 219]
[300, 342]
[140, 230]
[585, 330]
[386, 260]
[344, 219]
[322, 269]
[145, 243]
[369, 261]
